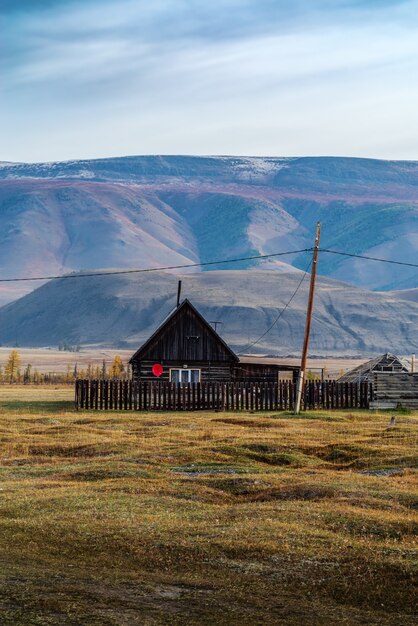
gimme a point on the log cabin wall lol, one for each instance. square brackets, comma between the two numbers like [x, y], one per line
[262, 372]
[257, 373]
[209, 371]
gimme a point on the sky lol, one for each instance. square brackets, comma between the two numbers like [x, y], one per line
[99, 78]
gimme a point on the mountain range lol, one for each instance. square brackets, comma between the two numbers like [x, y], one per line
[154, 211]
[158, 211]
[123, 310]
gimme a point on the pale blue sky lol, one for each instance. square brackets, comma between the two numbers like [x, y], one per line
[95, 78]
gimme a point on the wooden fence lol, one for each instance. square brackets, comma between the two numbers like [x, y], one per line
[147, 396]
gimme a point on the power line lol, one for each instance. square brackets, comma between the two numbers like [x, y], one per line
[368, 258]
[204, 264]
[156, 269]
[347, 254]
[250, 345]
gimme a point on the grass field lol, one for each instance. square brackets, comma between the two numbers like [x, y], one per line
[204, 518]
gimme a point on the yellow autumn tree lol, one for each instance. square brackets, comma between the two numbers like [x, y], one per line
[11, 368]
[310, 375]
[117, 368]
[69, 376]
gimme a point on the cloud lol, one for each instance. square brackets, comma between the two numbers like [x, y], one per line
[189, 73]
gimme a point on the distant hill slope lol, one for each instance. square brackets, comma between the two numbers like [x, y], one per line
[156, 211]
[123, 310]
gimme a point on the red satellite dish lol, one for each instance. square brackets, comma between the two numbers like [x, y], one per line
[157, 369]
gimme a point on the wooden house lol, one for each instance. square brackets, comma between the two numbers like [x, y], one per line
[185, 348]
[188, 350]
[383, 363]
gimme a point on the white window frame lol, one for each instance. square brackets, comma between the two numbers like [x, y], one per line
[186, 369]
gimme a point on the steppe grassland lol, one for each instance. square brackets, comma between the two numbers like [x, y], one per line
[47, 360]
[204, 518]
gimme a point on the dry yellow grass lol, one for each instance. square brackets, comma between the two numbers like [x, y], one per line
[203, 518]
[53, 360]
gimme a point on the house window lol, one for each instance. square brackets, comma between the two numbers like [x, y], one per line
[184, 375]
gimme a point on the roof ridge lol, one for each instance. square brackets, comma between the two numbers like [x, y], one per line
[173, 312]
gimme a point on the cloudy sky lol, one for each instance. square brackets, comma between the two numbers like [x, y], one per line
[92, 78]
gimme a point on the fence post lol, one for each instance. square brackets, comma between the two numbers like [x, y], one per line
[86, 393]
[76, 395]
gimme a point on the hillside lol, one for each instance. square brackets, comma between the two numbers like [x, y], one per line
[156, 211]
[123, 310]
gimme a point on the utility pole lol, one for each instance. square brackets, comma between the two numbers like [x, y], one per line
[302, 372]
[216, 324]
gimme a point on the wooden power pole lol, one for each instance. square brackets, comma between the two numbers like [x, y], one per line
[302, 373]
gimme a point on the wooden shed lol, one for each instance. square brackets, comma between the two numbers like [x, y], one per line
[188, 350]
[384, 363]
[262, 370]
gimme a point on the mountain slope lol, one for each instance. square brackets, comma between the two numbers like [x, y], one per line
[156, 211]
[123, 310]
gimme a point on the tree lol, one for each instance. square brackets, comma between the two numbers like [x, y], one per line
[69, 376]
[117, 368]
[103, 373]
[27, 374]
[12, 366]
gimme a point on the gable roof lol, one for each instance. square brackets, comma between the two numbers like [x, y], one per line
[362, 372]
[186, 304]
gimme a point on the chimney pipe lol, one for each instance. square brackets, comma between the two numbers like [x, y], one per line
[178, 293]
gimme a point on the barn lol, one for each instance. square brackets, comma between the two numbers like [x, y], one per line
[185, 348]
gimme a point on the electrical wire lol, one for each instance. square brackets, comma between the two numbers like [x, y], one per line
[347, 254]
[368, 258]
[218, 262]
[250, 345]
[156, 269]
[203, 264]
